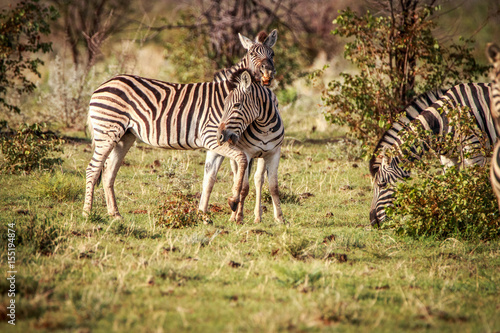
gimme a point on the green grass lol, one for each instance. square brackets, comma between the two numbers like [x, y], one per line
[325, 270]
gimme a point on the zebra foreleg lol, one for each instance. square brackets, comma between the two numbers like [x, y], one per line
[272, 162]
[111, 167]
[238, 214]
[259, 181]
[213, 162]
[233, 201]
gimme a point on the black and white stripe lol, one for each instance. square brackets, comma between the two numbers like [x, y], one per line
[493, 53]
[256, 134]
[387, 171]
[161, 114]
[262, 139]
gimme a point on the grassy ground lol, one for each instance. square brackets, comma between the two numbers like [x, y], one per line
[325, 270]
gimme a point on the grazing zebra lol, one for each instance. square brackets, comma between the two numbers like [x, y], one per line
[493, 53]
[386, 172]
[166, 115]
[254, 135]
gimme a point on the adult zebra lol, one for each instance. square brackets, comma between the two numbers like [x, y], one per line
[171, 116]
[493, 53]
[259, 58]
[386, 172]
[253, 137]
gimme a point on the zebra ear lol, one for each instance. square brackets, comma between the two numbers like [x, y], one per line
[271, 39]
[246, 42]
[245, 80]
[493, 52]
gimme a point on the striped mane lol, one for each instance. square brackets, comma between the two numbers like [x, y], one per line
[235, 78]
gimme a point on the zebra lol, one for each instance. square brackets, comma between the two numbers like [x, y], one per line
[386, 171]
[165, 115]
[262, 139]
[255, 134]
[493, 53]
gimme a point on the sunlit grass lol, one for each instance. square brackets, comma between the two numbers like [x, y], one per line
[325, 270]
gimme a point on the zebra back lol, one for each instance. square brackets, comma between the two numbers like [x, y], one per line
[411, 112]
[161, 114]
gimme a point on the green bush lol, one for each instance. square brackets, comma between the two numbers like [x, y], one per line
[454, 203]
[30, 148]
[458, 203]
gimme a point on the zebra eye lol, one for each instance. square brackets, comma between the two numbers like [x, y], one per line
[237, 105]
[382, 184]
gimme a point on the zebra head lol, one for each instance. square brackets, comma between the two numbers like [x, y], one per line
[240, 108]
[260, 56]
[385, 177]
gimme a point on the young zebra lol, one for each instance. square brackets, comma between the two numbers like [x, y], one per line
[386, 171]
[255, 135]
[165, 115]
[493, 53]
[262, 139]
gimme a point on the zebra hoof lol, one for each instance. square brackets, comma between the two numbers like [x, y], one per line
[233, 204]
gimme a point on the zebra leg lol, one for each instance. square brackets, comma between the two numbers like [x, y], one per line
[238, 214]
[93, 172]
[259, 181]
[242, 162]
[111, 168]
[105, 138]
[213, 162]
[272, 162]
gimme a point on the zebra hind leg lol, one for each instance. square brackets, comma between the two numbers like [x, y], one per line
[259, 181]
[272, 162]
[103, 145]
[111, 167]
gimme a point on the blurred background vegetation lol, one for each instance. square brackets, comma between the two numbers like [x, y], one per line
[55, 53]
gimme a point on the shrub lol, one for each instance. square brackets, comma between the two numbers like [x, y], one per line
[180, 211]
[458, 202]
[397, 58]
[30, 148]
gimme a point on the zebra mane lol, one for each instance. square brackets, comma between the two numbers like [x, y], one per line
[234, 78]
[261, 37]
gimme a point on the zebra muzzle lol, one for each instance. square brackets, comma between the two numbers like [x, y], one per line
[224, 135]
[266, 80]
